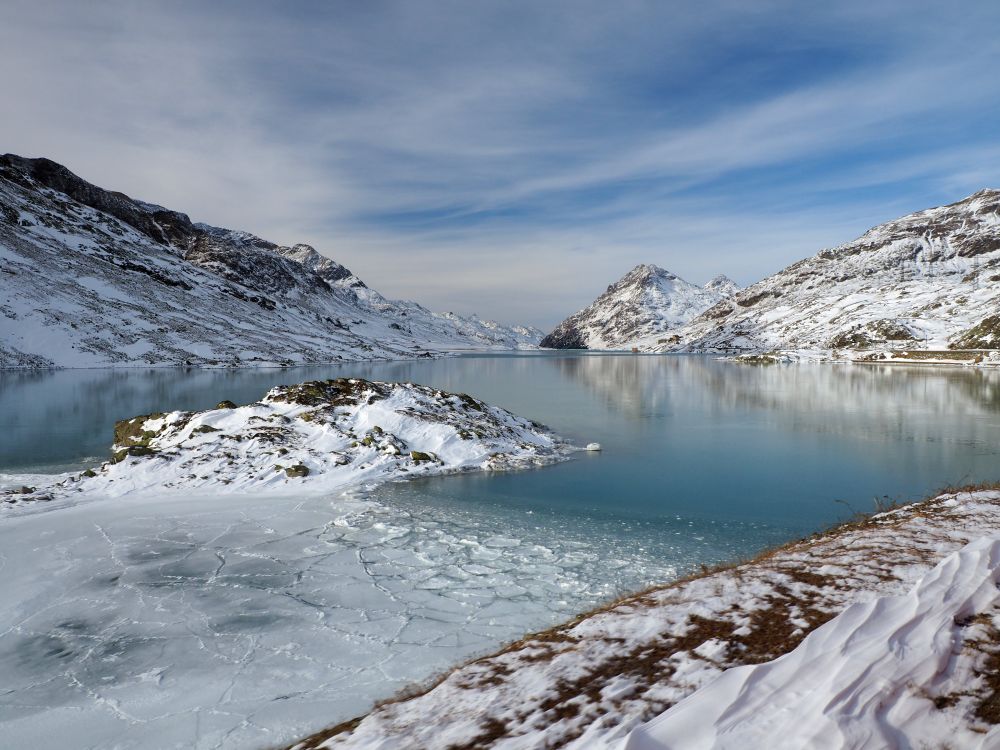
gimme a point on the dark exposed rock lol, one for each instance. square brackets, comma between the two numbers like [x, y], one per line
[565, 336]
[166, 227]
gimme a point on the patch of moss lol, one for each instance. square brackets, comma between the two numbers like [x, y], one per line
[851, 340]
[470, 402]
[891, 330]
[89, 473]
[225, 405]
[298, 470]
[984, 335]
[753, 299]
[336, 392]
[871, 334]
[132, 450]
[204, 429]
[420, 456]
[130, 432]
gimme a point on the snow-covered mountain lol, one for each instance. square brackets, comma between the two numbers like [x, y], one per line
[723, 285]
[645, 302]
[930, 280]
[92, 278]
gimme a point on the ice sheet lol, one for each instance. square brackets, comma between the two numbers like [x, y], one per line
[241, 622]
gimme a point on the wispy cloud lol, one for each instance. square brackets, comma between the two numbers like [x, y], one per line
[514, 158]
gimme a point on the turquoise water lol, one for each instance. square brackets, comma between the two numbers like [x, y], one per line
[727, 458]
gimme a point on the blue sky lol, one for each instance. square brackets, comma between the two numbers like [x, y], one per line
[514, 158]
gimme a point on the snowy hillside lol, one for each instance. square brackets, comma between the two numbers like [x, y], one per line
[930, 280]
[93, 278]
[878, 675]
[646, 302]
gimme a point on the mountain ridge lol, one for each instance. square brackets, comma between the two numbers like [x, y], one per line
[926, 280]
[92, 277]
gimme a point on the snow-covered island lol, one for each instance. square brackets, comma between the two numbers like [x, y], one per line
[316, 436]
[880, 633]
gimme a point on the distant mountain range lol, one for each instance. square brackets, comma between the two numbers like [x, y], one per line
[929, 280]
[645, 303]
[91, 278]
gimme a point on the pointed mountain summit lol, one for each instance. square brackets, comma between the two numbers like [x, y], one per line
[929, 280]
[723, 285]
[646, 301]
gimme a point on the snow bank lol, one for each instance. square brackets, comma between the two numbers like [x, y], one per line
[866, 679]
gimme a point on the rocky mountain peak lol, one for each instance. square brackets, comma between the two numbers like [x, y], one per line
[645, 274]
[326, 268]
[645, 302]
[724, 285]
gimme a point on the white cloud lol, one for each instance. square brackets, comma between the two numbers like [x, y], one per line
[547, 147]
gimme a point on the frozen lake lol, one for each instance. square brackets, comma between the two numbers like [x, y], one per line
[243, 622]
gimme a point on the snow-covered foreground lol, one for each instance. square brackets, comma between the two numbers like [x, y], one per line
[875, 676]
[589, 683]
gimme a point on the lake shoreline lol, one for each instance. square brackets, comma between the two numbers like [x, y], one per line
[590, 681]
[978, 358]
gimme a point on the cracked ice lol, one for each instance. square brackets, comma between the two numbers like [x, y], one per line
[245, 622]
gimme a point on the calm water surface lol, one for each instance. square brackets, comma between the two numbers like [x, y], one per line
[732, 456]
